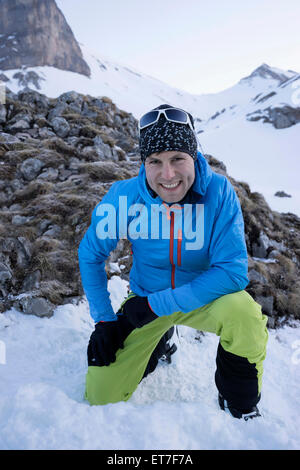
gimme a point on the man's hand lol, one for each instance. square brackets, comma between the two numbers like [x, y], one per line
[138, 312]
[104, 342]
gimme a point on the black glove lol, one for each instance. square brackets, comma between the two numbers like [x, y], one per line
[104, 342]
[138, 311]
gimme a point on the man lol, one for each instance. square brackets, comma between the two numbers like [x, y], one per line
[189, 268]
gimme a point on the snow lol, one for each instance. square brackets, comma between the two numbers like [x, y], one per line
[260, 155]
[42, 376]
[265, 260]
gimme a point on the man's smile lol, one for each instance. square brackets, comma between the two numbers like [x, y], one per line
[170, 185]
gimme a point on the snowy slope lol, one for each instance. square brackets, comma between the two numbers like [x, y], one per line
[253, 94]
[268, 159]
[129, 89]
[136, 92]
[42, 379]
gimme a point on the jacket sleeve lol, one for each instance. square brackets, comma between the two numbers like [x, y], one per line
[228, 263]
[93, 250]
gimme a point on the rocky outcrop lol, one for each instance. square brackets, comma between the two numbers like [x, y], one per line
[35, 33]
[282, 194]
[279, 117]
[58, 157]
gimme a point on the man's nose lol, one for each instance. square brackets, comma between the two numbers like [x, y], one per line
[167, 171]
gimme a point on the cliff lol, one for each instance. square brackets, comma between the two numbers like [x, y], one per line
[35, 33]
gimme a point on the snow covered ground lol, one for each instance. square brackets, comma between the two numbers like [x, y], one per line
[42, 376]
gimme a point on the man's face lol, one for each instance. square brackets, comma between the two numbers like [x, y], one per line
[170, 174]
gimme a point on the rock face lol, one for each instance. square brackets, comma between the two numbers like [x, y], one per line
[279, 117]
[35, 33]
[58, 157]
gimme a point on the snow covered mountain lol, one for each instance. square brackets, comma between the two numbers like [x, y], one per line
[253, 126]
[255, 132]
[254, 97]
[136, 92]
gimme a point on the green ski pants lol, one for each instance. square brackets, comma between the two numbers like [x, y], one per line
[236, 318]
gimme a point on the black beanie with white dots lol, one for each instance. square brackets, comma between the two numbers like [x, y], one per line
[165, 135]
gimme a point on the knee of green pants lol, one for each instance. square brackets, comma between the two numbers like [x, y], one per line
[236, 318]
[118, 381]
[242, 326]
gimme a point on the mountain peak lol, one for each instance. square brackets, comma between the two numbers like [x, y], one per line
[35, 33]
[267, 72]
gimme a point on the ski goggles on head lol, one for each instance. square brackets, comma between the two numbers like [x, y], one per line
[171, 114]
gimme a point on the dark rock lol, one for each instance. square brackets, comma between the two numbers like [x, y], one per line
[58, 110]
[25, 79]
[4, 78]
[263, 246]
[2, 114]
[31, 281]
[37, 306]
[255, 276]
[37, 34]
[282, 194]
[283, 117]
[266, 303]
[19, 125]
[60, 126]
[20, 219]
[49, 174]
[5, 273]
[46, 133]
[30, 168]
[280, 117]
[70, 97]
[37, 101]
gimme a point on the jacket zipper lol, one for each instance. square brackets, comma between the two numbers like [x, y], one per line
[171, 251]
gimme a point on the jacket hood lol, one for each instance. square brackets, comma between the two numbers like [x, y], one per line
[203, 175]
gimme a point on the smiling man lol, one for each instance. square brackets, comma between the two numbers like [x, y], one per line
[172, 282]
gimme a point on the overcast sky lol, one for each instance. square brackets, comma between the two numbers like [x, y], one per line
[201, 46]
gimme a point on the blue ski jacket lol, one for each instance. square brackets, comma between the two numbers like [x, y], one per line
[184, 255]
